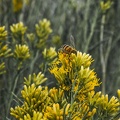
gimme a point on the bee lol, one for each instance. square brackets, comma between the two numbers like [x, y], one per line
[67, 48]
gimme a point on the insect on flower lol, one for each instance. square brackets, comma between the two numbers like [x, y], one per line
[67, 48]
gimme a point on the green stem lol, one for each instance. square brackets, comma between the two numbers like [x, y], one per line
[33, 61]
[102, 57]
[13, 90]
[92, 29]
[86, 18]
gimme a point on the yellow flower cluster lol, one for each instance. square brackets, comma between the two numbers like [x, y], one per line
[56, 95]
[118, 92]
[105, 107]
[21, 52]
[3, 33]
[55, 112]
[31, 37]
[43, 30]
[82, 112]
[2, 67]
[17, 5]
[36, 79]
[74, 98]
[36, 116]
[106, 5]
[73, 73]
[4, 50]
[50, 53]
[56, 40]
[18, 30]
[35, 100]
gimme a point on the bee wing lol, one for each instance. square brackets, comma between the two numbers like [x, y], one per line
[72, 43]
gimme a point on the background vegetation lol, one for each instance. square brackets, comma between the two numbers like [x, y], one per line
[94, 26]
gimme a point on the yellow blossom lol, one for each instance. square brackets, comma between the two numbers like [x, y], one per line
[35, 99]
[74, 75]
[55, 112]
[105, 5]
[3, 33]
[50, 53]
[31, 37]
[118, 93]
[5, 51]
[43, 29]
[73, 99]
[17, 5]
[56, 95]
[105, 107]
[18, 29]
[2, 68]
[21, 52]
[36, 79]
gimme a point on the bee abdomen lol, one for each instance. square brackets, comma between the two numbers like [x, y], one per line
[68, 49]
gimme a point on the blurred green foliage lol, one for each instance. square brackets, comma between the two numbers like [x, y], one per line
[89, 21]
